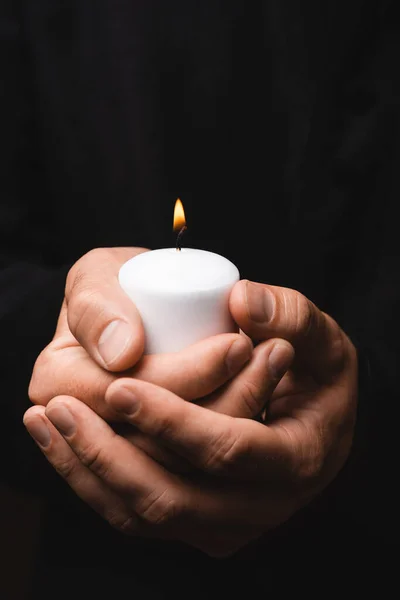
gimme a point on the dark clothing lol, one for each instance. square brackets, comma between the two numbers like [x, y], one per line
[277, 123]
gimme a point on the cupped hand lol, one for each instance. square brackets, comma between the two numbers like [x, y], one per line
[247, 477]
[99, 338]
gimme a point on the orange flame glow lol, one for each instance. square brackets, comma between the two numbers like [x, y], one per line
[179, 216]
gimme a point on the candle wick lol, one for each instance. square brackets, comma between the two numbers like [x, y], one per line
[179, 238]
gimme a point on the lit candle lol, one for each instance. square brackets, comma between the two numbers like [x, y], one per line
[181, 294]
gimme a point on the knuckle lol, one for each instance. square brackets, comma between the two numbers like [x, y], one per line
[80, 271]
[163, 427]
[252, 397]
[316, 454]
[304, 315]
[81, 299]
[198, 378]
[94, 458]
[338, 343]
[310, 456]
[298, 313]
[65, 467]
[83, 302]
[70, 279]
[75, 279]
[159, 508]
[34, 392]
[310, 469]
[37, 391]
[94, 253]
[122, 523]
[223, 453]
[337, 352]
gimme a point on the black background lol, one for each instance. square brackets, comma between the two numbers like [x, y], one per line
[277, 123]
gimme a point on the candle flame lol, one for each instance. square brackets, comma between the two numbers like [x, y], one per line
[179, 216]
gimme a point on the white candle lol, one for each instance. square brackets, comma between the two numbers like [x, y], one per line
[182, 296]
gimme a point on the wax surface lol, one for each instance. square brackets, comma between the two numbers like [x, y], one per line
[182, 296]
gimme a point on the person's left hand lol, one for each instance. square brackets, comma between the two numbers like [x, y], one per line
[247, 477]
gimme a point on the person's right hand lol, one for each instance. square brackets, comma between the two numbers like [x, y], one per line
[99, 338]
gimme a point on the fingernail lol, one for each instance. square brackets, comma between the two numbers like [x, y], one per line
[61, 418]
[280, 360]
[237, 355]
[260, 302]
[125, 401]
[38, 429]
[114, 340]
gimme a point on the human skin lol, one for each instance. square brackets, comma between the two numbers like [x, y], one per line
[204, 472]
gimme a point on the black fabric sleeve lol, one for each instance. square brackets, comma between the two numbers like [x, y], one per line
[366, 489]
[367, 306]
[31, 290]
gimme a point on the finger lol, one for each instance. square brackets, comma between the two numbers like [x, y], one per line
[211, 441]
[248, 393]
[224, 516]
[199, 369]
[165, 457]
[191, 373]
[265, 311]
[155, 495]
[100, 315]
[244, 396]
[84, 483]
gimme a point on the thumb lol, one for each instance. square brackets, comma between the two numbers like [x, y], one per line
[267, 311]
[100, 315]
